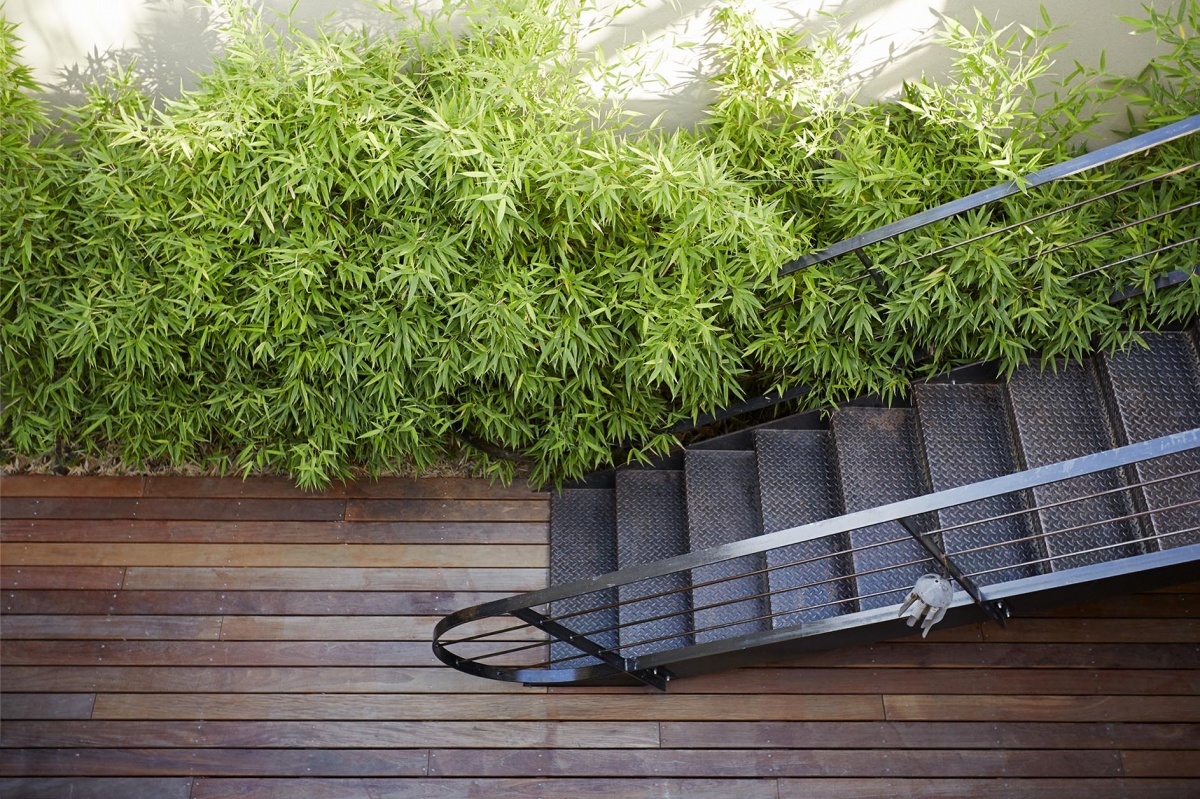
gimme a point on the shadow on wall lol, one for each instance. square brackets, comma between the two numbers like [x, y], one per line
[167, 57]
[675, 41]
[73, 44]
[895, 43]
[665, 47]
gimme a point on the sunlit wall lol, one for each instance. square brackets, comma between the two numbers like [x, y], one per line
[69, 41]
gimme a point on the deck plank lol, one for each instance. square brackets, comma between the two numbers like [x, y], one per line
[246, 578]
[1159, 763]
[437, 510]
[354, 628]
[34, 577]
[48, 485]
[790, 763]
[223, 653]
[97, 788]
[928, 735]
[918, 707]
[491, 707]
[220, 762]
[997, 682]
[124, 508]
[331, 734]
[385, 488]
[1019, 655]
[418, 556]
[529, 788]
[1075, 788]
[248, 603]
[272, 532]
[248, 679]
[46, 706]
[1064, 631]
[117, 628]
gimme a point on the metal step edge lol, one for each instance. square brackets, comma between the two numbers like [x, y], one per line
[997, 432]
[1116, 505]
[722, 496]
[821, 500]
[902, 551]
[661, 537]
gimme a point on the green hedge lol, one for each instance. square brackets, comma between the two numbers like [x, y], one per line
[342, 251]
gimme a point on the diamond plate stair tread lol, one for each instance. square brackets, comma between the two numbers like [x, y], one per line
[583, 544]
[722, 507]
[652, 525]
[1156, 392]
[966, 435]
[798, 485]
[1060, 417]
[875, 451]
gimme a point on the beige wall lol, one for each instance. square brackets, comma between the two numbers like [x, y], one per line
[68, 40]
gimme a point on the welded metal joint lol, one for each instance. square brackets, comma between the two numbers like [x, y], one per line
[655, 678]
[872, 270]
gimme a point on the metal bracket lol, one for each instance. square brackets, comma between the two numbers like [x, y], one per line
[655, 678]
[872, 270]
[995, 609]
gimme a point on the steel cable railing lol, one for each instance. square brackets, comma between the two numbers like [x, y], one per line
[1057, 248]
[1190, 441]
[1041, 180]
[901, 540]
[905, 564]
[1047, 214]
[1158, 251]
[1074, 166]
[1104, 547]
[847, 552]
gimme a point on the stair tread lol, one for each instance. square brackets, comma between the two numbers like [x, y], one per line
[876, 465]
[583, 544]
[798, 485]
[1060, 416]
[1156, 392]
[652, 525]
[966, 437]
[722, 507]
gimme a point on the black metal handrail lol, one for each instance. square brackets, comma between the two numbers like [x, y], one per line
[524, 607]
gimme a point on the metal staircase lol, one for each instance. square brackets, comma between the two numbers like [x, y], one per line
[808, 532]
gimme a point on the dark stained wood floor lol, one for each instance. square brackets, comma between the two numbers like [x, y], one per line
[204, 638]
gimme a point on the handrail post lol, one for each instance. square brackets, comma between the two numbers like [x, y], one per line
[996, 610]
[655, 678]
[872, 270]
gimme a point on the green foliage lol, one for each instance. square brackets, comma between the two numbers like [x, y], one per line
[843, 167]
[1169, 87]
[31, 210]
[341, 250]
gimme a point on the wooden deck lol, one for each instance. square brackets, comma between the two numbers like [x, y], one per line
[204, 638]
